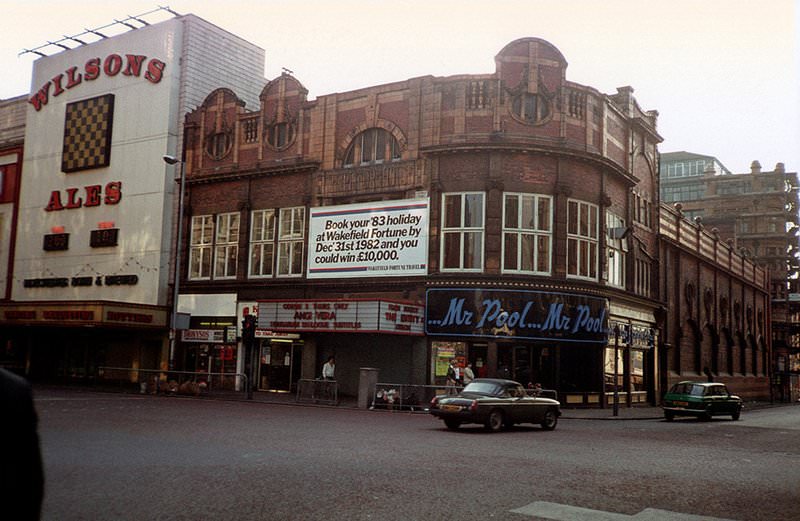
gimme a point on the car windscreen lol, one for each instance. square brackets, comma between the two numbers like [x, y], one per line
[487, 388]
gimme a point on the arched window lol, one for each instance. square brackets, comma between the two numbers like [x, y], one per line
[371, 147]
[218, 145]
[531, 108]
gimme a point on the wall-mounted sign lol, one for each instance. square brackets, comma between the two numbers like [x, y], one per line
[132, 65]
[541, 315]
[353, 316]
[213, 336]
[638, 337]
[379, 239]
[56, 242]
[104, 237]
[84, 314]
[93, 195]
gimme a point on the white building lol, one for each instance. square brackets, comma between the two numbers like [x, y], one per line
[92, 264]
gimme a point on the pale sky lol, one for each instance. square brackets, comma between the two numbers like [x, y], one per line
[723, 74]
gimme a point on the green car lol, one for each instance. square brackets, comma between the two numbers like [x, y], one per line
[701, 399]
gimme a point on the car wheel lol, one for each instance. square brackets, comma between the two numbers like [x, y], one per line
[452, 424]
[550, 420]
[496, 420]
[669, 415]
[735, 415]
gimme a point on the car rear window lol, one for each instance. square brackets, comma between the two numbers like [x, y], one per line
[486, 388]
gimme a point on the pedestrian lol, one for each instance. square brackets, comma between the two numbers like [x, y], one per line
[469, 375]
[328, 369]
[21, 474]
[452, 376]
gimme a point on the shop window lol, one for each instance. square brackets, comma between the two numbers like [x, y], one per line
[582, 233]
[616, 244]
[226, 250]
[462, 231]
[373, 146]
[532, 109]
[201, 244]
[527, 233]
[262, 243]
[290, 241]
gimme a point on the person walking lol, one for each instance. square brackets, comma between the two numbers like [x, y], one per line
[452, 377]
[469, 375]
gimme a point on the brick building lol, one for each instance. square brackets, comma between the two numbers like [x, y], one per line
[757, 214]
[509, 220]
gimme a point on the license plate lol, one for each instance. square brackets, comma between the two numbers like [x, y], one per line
[451, 407]
[681, 404]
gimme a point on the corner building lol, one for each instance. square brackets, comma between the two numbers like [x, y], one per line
[89, 283]
[507, 219]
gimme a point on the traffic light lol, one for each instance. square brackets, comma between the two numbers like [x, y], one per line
[249, 328]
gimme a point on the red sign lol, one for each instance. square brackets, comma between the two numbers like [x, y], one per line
[92, 195]
[131, 65]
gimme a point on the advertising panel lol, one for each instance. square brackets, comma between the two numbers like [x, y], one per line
[537, 315]
[378, 239]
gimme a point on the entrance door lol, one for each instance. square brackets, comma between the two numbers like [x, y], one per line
[275, 372]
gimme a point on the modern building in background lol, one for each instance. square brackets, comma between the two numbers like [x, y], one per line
[91, 263]
[510, 220]
[757, 214]
[683, 179]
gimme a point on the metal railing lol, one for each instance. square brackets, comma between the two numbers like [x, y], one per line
[158, 381]
[413, 397]
[318, 391]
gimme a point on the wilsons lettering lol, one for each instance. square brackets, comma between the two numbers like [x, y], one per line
[134, 65]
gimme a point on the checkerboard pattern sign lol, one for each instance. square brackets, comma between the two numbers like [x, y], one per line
[87, 134]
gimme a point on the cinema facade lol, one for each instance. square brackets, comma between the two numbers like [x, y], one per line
[509, 220]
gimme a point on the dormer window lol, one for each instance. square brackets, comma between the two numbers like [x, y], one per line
[371, 147]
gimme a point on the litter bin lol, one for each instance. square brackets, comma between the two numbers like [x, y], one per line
[368, 377]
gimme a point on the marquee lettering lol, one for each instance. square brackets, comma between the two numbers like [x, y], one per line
[130, 65]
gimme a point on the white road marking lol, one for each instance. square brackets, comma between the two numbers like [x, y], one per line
[559, 512]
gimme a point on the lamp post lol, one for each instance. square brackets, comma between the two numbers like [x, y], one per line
[172, 160]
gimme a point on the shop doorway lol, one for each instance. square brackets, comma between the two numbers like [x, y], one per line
[280, 364]
[526, 364]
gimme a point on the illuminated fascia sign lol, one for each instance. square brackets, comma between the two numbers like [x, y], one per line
[133, 65]
[539, 315]
[351, 316]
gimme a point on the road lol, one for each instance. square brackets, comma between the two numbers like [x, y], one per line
[130, 457]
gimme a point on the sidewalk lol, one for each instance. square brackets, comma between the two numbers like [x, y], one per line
[637, 412]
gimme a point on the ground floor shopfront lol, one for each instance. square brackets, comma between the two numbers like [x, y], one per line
[588, 349]
[72, 342]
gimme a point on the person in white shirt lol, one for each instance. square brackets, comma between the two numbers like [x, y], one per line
[328, 369]
[469, 375]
